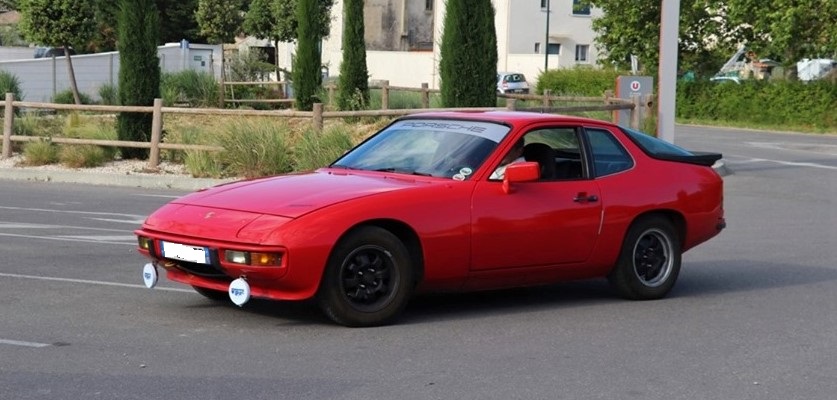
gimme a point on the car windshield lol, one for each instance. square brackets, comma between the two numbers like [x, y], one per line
[654, 146]
[514, 78]
[430, 147]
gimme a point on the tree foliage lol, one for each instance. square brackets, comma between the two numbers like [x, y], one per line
[59, 23]
[468, 65]
[177, 21]
[220, 20]
[308, 60]
[787, 30]
[354, 75]
[712, 30]
[139, 70]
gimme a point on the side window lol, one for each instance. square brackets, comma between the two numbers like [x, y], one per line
[557, 152]
[609, 157]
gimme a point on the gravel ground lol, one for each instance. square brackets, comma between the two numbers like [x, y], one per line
[119, 167]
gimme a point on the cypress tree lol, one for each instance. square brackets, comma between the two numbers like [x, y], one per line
[354, 76]
[468, 65]
[307, 75]
[139, 71]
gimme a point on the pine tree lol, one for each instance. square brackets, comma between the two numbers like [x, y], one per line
[308, 60]
[354, 75]
[468, 65]
[139, 70]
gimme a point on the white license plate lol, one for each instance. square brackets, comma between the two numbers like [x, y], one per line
[195, 254]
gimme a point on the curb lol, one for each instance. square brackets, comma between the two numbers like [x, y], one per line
[149, 181]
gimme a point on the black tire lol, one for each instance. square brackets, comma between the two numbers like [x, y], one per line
[368, 279]
[212, 294]
[649, 261]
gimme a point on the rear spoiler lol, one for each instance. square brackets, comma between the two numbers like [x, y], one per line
[697, 158]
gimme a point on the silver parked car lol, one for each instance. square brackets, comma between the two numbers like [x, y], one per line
[512, 82]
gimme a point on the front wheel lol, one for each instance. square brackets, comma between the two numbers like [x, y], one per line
[368, 279]
[649, 262]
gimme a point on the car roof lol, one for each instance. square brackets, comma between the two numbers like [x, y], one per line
[516, 118]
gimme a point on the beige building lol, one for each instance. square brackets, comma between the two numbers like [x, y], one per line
[403, 38]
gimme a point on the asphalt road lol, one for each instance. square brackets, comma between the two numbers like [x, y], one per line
[753, 316]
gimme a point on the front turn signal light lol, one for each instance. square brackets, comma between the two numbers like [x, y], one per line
[253, 258]
[145, 243]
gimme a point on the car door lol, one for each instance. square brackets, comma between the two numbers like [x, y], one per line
[547, 222]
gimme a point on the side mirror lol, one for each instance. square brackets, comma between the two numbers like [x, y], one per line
[520, 172]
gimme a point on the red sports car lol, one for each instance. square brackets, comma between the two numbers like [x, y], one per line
[448, 201]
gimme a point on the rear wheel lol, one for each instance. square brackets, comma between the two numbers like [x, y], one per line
[212, 294]
[368, 279]
[649, 262]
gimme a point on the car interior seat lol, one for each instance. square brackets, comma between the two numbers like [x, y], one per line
[544, 155]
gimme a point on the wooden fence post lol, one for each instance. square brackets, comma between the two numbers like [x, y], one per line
[614, 115]
[222, 94]
[546, 98]
[635, 111]
[8, 125]
[385, 95]
[510, 104]
[317, 117]
[156, 135]
[425, 95]
[331, 94]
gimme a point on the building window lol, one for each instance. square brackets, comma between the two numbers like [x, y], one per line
[580, 9]
[544, 3]
[537, 47]
[553, 48]
[428, 5]
[581, 52]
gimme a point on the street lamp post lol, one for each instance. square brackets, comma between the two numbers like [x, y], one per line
[546, 41]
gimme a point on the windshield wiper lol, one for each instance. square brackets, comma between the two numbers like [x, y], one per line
[403, 171]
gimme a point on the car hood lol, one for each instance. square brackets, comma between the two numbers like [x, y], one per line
[294, 195]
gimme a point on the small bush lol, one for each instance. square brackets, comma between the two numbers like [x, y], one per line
[577, 81]
[203, 164]
[66, 97]
[254, 148]
[315, 150]
[9, 83]
[82, 156]
[109, 94]
[196, 88]
[42, 152]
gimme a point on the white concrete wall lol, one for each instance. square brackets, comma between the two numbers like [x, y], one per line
[41, 78]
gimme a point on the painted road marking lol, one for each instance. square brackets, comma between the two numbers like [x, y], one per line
[131, 216]
[70, 239]
[788, 163]
[89, 282]
[24, 344]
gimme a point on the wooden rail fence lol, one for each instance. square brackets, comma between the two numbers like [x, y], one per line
[316, 117]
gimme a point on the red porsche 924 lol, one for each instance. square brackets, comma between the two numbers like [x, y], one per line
[432, 203]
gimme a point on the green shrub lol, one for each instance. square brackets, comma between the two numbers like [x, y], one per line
[83, 156]
[315, 150]
[783, 103]
[254, 148]
[577, 81]
[66, 97]
[42, 152]
[203, 164]
[109, 94]
[198, 89]
[9, 83]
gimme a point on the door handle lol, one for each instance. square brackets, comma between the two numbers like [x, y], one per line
[584, 198]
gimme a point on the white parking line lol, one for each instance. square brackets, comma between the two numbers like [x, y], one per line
[24, 344]
[71, 239]
[89, 282]
[788, 163]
